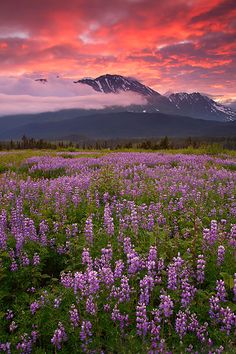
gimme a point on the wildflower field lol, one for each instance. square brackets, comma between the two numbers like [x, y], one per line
[125, 252]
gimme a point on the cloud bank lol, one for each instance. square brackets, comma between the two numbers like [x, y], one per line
[25, 95]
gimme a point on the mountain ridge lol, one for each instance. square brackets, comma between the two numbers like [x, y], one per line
[193, 104]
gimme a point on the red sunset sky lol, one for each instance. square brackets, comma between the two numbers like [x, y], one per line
[169, 45]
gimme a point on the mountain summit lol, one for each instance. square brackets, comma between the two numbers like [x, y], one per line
[116, 83]
[197, 105]
[194, 104]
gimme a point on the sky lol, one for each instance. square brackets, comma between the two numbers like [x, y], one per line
[176, 45]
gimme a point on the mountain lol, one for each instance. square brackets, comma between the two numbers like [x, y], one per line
[120, 125]
[194, 104]
[197, 105]
[117, 83]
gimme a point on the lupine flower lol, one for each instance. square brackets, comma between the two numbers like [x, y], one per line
[57, 302]
[92, 282]
[78, 283]
[188, 292]
[5, 347]
[141, 320]
[13, 326]
[220, 255]
[228, 319]
[25, 345]
[201, 264]
[220, 288]
[108, 220]
[193, 322]
[59, 336]
[14, 266]
[181, 324]
[116, 316]
[74, 316]
[36, 259]
[35, 306]
[67, 280]
[155, 329]
[202, 332]
[119, 268]
[25, 260]
[166, 305]
[134, 263]
[85, 334]
[146, 286]
[173, 271]
[106, 276]
[134, 219]
[214, 307]
[86, 258]
[9, 315]
[91, 308]
[88, 229]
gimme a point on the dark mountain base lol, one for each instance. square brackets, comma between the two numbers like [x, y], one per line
[121, 125]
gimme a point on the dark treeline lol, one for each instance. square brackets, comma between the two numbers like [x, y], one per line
[119, 144]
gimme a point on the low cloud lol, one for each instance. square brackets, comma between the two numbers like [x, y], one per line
[21, 104]
[20, 95]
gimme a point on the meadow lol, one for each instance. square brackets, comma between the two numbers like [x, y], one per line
[125, 252]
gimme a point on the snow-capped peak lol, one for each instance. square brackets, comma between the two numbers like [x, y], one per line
[200, 106]
[116, 83]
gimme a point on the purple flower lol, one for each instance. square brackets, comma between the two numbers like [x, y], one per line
[88, 229]
[86, 258]
[36, 259]
[166, 305]
[13, 326]
[106, 276]
[146, 286]
[57, 302]
[188, 291]
[74, 316]
[220, 288]
[67, 280]
[193, 323]
[59, 336]
[134, 262]
[173, 272]
[214, 307]
[92, 282]
[35, 306]
[25, 345]
[202, 332]
[228, 319]
[141, 320]
[181, 326]
[14, 266]
[85, 334]
[108, 220]
[91, 308]
[9, 315]
[116, 316]
[25, 260]
[220, 255]
[155, 329]
[201, 264]
[119, 268]
[5, 347]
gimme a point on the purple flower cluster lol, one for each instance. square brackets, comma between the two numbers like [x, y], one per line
[59, 336]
